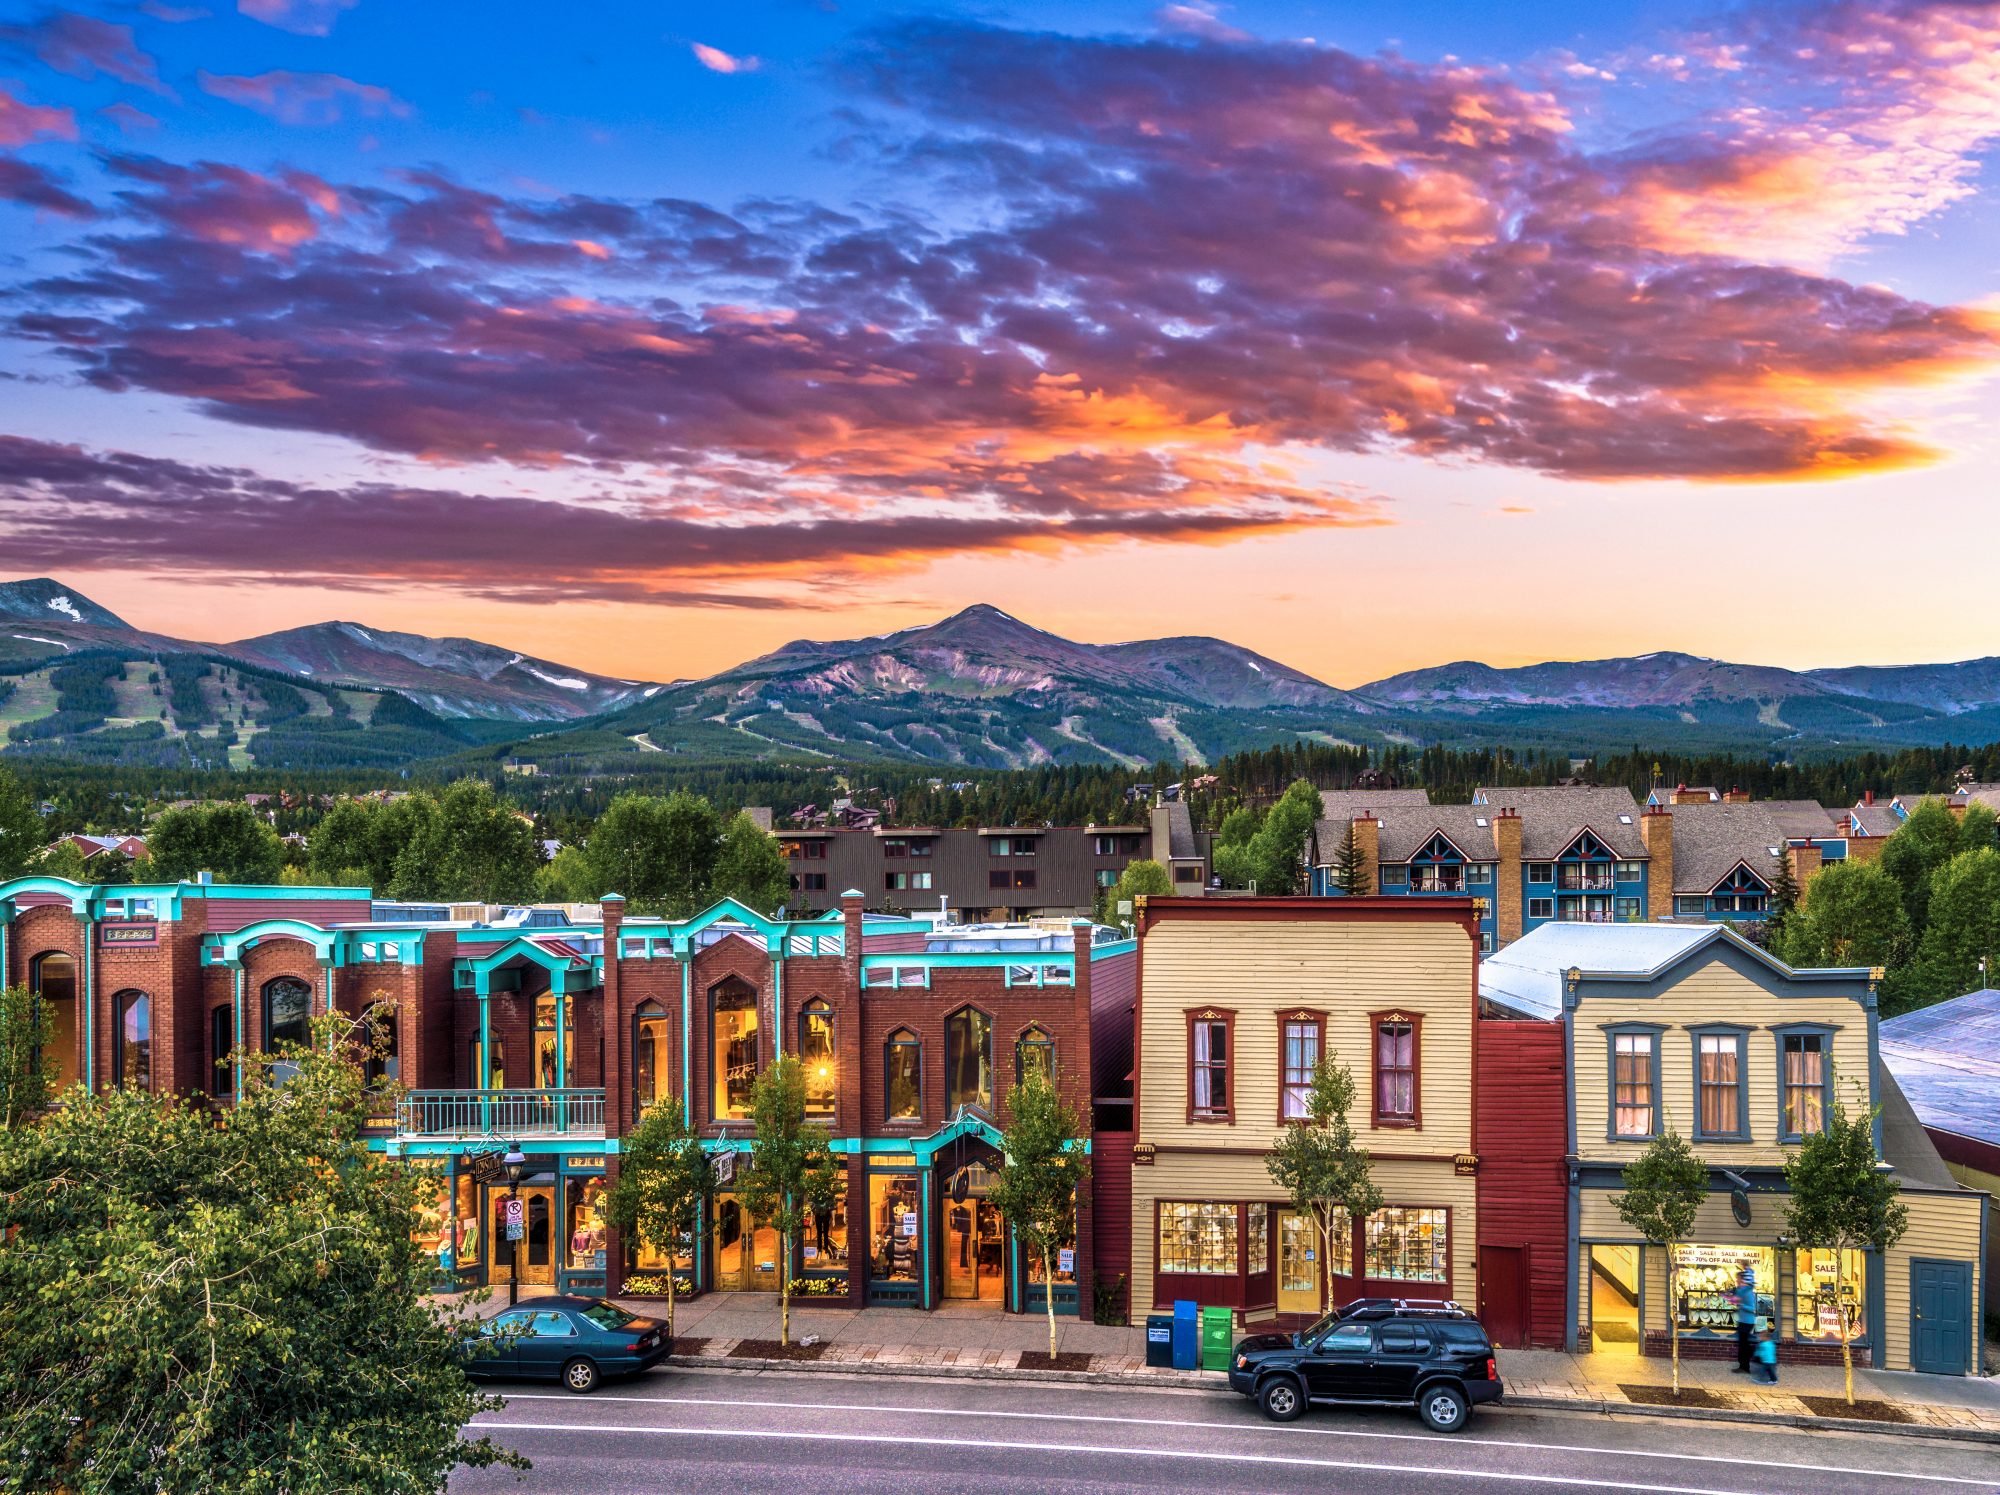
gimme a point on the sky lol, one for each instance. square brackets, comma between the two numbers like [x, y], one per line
[647, 338]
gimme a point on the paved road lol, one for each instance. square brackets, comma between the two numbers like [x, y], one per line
[830, 1435]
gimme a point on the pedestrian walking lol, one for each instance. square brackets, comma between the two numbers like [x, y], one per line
[1765, 1365]
[1746, 1318]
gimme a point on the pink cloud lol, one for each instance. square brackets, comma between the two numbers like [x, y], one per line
[304, 98]
[128, 118]
[22, 124]
[27, 185]
[718, 61]
[305, 17]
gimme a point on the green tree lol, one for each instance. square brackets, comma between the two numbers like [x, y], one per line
[185, 1306]
[659, 853]
[230, 840]
[664, 1182]
[476, 847]
[1840, 1201]
[1142, 878]
[1319, 1165]
[349, 836]
[1963, 937]
[1784, 897]
[1978, 828]
[1350, 867]
[1230, 856]
[793, 1173]
[1852, 914]
[20, 827]
[1921, 845]
[1046, 1166]
[750, 867]
[564, 878]
[1664, 1189]
[61, 860]
[27, 1030]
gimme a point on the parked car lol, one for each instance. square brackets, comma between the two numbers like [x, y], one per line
[1381, 1352]
[577, 1341]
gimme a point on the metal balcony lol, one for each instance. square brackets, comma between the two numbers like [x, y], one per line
[501, 1113]
[1570, 880]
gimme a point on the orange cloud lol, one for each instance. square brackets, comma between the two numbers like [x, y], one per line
[718, 61]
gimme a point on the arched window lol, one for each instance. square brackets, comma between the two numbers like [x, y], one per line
[733, 1029]
[287, 1013]
[132, 1058]
[378, 1066]
[650, 1055]
[1034, 1053]
[816, 1056]
[52, 977]
[904, 1076]
[968, 1060]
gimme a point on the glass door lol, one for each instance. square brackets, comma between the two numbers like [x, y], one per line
[975, 1251]
[533, 1256]
[1298, 1264]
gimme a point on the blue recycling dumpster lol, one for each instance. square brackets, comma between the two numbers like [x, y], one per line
[1160, 1340]
[1187, 1334]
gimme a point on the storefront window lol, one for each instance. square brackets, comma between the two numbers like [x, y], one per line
[470, 1250]
[550, 1070]
[649, 1055]
[647, 1258]
[1257, 1240]
[585, 1234]
[1062, 1262]
[823, 1244]
[1707, 1282]
[1198, 1238]
[904, 1057]
[132, 1060]
[734, 1020]
[894, 1219]
[1407, 1245]
[1829, 1304]
[816, 1055]
[968, 1059]
[436, 1230]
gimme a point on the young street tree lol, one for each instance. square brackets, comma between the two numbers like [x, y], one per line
[1664, 1189]
[1319, 1165]
[664, 1182]
[26, 1032]
[793, 1173]
[1841, 1202]
[195, 1307]
[1045, 1167]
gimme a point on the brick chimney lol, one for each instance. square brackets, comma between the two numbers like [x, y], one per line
[1507, 884]
[1804, 862]
[1368, 841]
[1656, 830]
[850, 943]
[1736, 796]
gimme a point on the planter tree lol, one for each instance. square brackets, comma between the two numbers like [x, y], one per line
[1045, 1167]
[1842, 1200]
[793, 1173]
[1664, 1189]
[26, 1032]
[1318, 1163]
[665, 1181]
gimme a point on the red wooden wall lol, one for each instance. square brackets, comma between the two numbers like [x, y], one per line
[1523, 1135]
[1111, 1215]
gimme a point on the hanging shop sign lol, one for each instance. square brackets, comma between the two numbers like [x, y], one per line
[725, 1168]
[486, 1167]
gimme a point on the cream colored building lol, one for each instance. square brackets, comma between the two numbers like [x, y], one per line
[1238, 999]
[1691, 1027]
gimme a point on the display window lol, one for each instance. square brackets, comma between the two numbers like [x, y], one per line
[823, 1247]
[436, 1230]
[584, 1236]
[733, 1020]
[1197, 1238]
[1407, 1245]
[1257, 1240]
[1062, 1260]
[1705, 1283]
[1828, 1302]
[895, 1223]
[470, 1251]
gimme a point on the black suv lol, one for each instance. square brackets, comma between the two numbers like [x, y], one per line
[1379, 1352]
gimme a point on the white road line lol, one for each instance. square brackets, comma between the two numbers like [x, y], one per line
[1205, 1456]
[1458, 1440]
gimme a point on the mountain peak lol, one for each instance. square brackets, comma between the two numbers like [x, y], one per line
[42, 599]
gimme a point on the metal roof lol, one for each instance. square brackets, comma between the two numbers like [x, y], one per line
[1947, 1059]
[1527, 976]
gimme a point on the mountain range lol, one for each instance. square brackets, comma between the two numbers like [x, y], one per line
[980, 689]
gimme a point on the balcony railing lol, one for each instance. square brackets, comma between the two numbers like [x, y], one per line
[1436, 882]
[1578, 880]
[1569, 915]
[501, 1113]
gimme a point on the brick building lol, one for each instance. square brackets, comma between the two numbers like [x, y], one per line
[554, 1036]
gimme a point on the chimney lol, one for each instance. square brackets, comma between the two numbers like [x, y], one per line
[1656, 830]
[850, 944]
[1868, 796]
[1736, 796]
[1507, 885]
[1368, 841]
[1804, 862]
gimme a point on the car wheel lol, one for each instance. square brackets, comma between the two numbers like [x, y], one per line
[1442, 1408]
[580, 1376]
[1282, 1399]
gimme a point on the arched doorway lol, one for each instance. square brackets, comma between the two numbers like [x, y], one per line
[52, 977]
[974, 1238]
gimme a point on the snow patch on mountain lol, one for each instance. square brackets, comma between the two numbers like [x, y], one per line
[561, 682]
[30, 638]
[61, 604]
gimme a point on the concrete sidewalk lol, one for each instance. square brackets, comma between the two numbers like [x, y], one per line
[724, 1329]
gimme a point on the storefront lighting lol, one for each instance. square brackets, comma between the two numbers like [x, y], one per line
[514, 1162]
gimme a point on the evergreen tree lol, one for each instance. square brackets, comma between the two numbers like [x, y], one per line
[1047, 1164]
[1664, 1189]
[1350, 867]
[1784, 897]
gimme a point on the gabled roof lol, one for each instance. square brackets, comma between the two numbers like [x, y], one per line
[1711, 840]
[1947, 1059]
[1801, 819]
[1874, 820]
[1553, 817]
[1346, 804]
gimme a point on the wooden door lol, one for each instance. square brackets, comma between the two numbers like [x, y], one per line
[1503, 1295]
[1940, 1316]
[538, 1254]
[1298, 1264]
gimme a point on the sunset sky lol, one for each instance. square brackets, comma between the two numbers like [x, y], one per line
[648, 337]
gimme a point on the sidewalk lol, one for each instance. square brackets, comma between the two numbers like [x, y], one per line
[741, 1330]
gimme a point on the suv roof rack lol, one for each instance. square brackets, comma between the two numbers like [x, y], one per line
[1396, 1307]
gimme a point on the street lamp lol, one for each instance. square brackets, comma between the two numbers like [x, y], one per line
[513, 1163]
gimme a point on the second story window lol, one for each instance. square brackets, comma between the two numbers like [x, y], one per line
[1635, 1084]
[904, 1076]
[1299, 1044]
[1807, 1083]
[733, 1024]
[1210, 1093]
[968, 1060]
[816, 1056]
[1719, 1086]
[132, 1058]
[650, 1056]
[1034, 1053]
[1396, 1069]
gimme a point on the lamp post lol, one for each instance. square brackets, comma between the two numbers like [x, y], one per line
[513, 1163]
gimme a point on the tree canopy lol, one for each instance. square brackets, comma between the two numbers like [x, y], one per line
[1852, 914]
[230, 840]
[1664, 1189]
[1045, 1167]
[20, 827]
[473, 846]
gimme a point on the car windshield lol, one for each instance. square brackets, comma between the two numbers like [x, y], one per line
[1323, 1325]
[607, 1315]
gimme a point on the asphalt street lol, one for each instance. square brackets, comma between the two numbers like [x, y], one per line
[747, 1432]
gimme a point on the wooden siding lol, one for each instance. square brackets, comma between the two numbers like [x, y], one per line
[1114, 986]
[1111, 1196]
[225, 915]
[1710, 994]
[1523, 1190]
[1597, 1220]
[1944, 1227]
[1348, 969]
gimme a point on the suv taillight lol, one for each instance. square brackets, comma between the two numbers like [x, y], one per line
[1492, 1369]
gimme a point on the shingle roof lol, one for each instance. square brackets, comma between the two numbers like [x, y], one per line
[1947, 1059]
[1978, 794]
[1180, 831]
[1551, 818]
[1709, 840]
[1801, 818]
[1875, 820]
[1346, 804]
